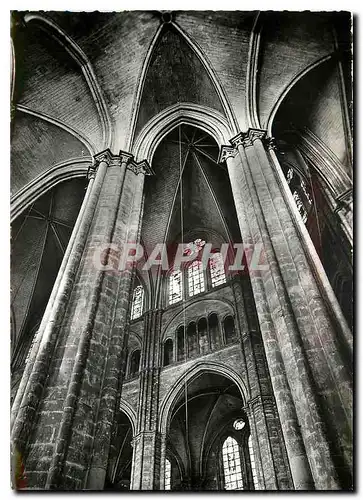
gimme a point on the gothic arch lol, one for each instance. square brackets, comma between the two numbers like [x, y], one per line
[205, 63]
[46, 181]
[217, 85]
[54, 121]
[252, 72]
[192, 373]
[130, 413]
[77, 54]
[12, 69]
[207, 119]
[292, 84]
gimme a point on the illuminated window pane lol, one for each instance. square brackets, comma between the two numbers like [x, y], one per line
[232, 465]
[175, 287]
[194, 247]
[216, 267]
[253, 464]
[239, 424]
[195, 278]
[167, 474]
[300, 206]
[137, 302]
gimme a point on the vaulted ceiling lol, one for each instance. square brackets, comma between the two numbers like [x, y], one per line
[83, 82]
[201, 206]
[87, 81]
[39, 239]
[212, 401]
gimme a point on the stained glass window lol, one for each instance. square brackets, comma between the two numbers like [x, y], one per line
[137, 302]
[167, 474]
[175, 287]
[216, 266]
[232, 465]
[253, 464]
[300, 206]
[239, 424]
[194, 247]
[195, 278]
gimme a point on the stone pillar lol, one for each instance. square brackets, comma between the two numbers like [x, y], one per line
[149, 443]
[271, 461]
[64, 413]
[306, 351]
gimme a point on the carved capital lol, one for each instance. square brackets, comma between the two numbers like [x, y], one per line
[270, 143]
[142, 167]
[92, 170]
[113, 160]
[245, 139]
[227, 152]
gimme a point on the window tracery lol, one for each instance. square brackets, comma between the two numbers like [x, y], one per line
[216, 267]
[137, 302]
[175, 287]
[167, 483]
[232, 465]
[194, 247]
[196, 278]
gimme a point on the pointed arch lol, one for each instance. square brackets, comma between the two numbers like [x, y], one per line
[232, 464]
[12, 70]
[252, 71]
[54, 121]
[77, 54]
[207, 119]
[231, 119]
[60, 172]
[292, 84]
[195, 371]
[228, 110]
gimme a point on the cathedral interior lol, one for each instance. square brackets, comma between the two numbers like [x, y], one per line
[193, 129]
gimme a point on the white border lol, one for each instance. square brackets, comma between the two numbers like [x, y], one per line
[110, 5]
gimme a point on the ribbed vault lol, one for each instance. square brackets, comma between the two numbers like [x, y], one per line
[39, 239]
[212, 401]
[205, 190]
[175, 74]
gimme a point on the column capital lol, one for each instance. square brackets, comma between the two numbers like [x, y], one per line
[113, 160]
[123, 157]
[141, 167]
[245, 139]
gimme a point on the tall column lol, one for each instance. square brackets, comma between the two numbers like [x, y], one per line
[305, 348]
[149, 443]
[271, 462]
[66, 407]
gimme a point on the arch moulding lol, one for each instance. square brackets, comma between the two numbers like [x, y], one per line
[196, 370]
[207, 119]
